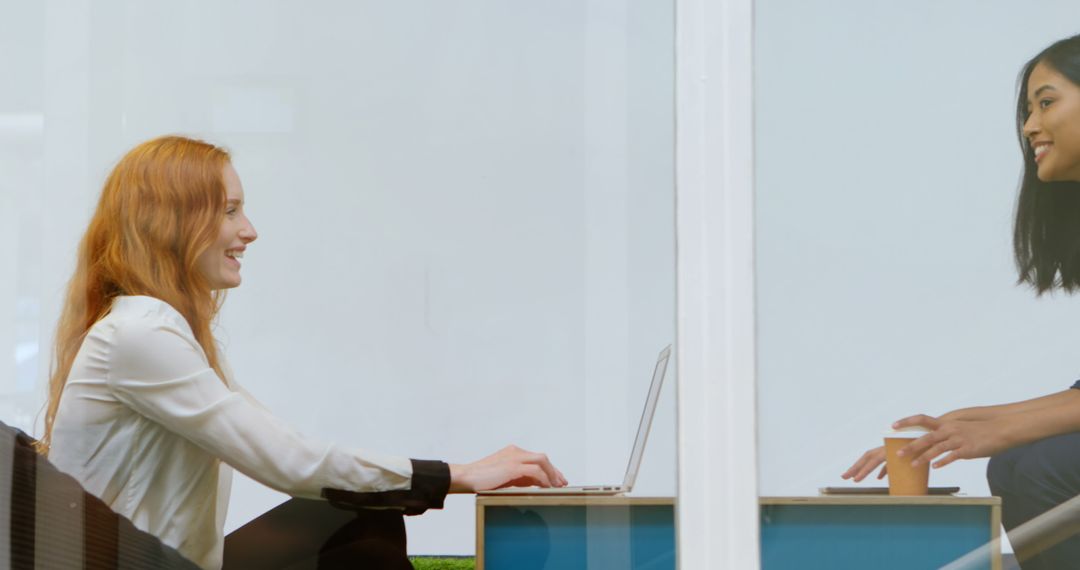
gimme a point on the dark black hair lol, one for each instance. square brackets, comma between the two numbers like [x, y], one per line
[1046, 234]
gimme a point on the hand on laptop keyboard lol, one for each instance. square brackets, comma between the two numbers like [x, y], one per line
[508, 467]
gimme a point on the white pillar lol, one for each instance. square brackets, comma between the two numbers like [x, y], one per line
[717, 520]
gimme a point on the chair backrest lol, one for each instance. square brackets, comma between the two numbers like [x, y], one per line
[47, 520]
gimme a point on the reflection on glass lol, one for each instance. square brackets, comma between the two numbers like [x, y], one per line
[463, 205]
[26, 344]
[887, 171]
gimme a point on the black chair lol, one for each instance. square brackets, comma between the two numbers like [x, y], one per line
[55, 523]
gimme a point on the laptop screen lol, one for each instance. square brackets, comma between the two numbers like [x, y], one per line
[646, 417]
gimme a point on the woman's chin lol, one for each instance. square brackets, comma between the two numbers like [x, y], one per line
[1047, 173]
[231, 282]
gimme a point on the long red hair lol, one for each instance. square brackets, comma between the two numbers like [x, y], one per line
[161, 207]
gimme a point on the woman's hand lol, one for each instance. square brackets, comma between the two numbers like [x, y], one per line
[866, 464]
[960, 439]
[508, 467]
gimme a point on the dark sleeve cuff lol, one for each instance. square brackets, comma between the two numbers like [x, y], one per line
[1076, 385]
[430, 484]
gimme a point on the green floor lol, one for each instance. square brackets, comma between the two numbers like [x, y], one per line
[432, 563]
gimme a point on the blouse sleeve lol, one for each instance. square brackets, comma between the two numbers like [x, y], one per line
[160, 371]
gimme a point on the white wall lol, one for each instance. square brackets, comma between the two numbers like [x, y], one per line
[887, 166]
[466, 213]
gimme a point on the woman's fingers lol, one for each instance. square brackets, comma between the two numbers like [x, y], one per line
[515, 454]
[526, 468]
[923, 449]
[857, 467]
[948, 459]
[534, 473]
[511, 466]
[865, 464]
[853, 470]
[917, 447]
[921, 420]
[869, 467]
[544, 463]
[932, 452]
[560, 479]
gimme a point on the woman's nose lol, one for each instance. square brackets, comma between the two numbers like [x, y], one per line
[1031, 127]
[248, 233]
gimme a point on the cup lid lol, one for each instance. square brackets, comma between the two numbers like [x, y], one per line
[911, 432]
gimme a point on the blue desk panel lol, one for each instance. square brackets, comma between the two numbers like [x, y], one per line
[882, 533]
[594, 536]
[881, 537]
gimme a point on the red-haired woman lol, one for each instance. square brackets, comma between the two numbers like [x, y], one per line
[142, 408]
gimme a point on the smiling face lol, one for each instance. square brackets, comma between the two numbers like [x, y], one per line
[1053, 124]
[220, 263]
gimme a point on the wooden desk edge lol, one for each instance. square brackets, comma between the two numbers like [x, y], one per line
[480, 536]
[880, 500]
[580, 500]
[569, 501]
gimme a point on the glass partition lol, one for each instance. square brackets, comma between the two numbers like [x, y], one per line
[465, 214]
[887, 168]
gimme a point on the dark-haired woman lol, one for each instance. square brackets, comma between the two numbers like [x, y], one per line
[1034, 445]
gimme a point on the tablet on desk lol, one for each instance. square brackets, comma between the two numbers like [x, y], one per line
[881, 490]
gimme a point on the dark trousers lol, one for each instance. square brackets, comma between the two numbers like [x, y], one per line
[309, 533]
[374, 539]
[1031, 480]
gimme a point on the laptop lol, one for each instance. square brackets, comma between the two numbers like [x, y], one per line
[635, 456]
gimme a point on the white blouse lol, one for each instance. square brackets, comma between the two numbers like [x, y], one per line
[144, 423]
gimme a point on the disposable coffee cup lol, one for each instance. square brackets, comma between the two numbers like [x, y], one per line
[904, 479]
